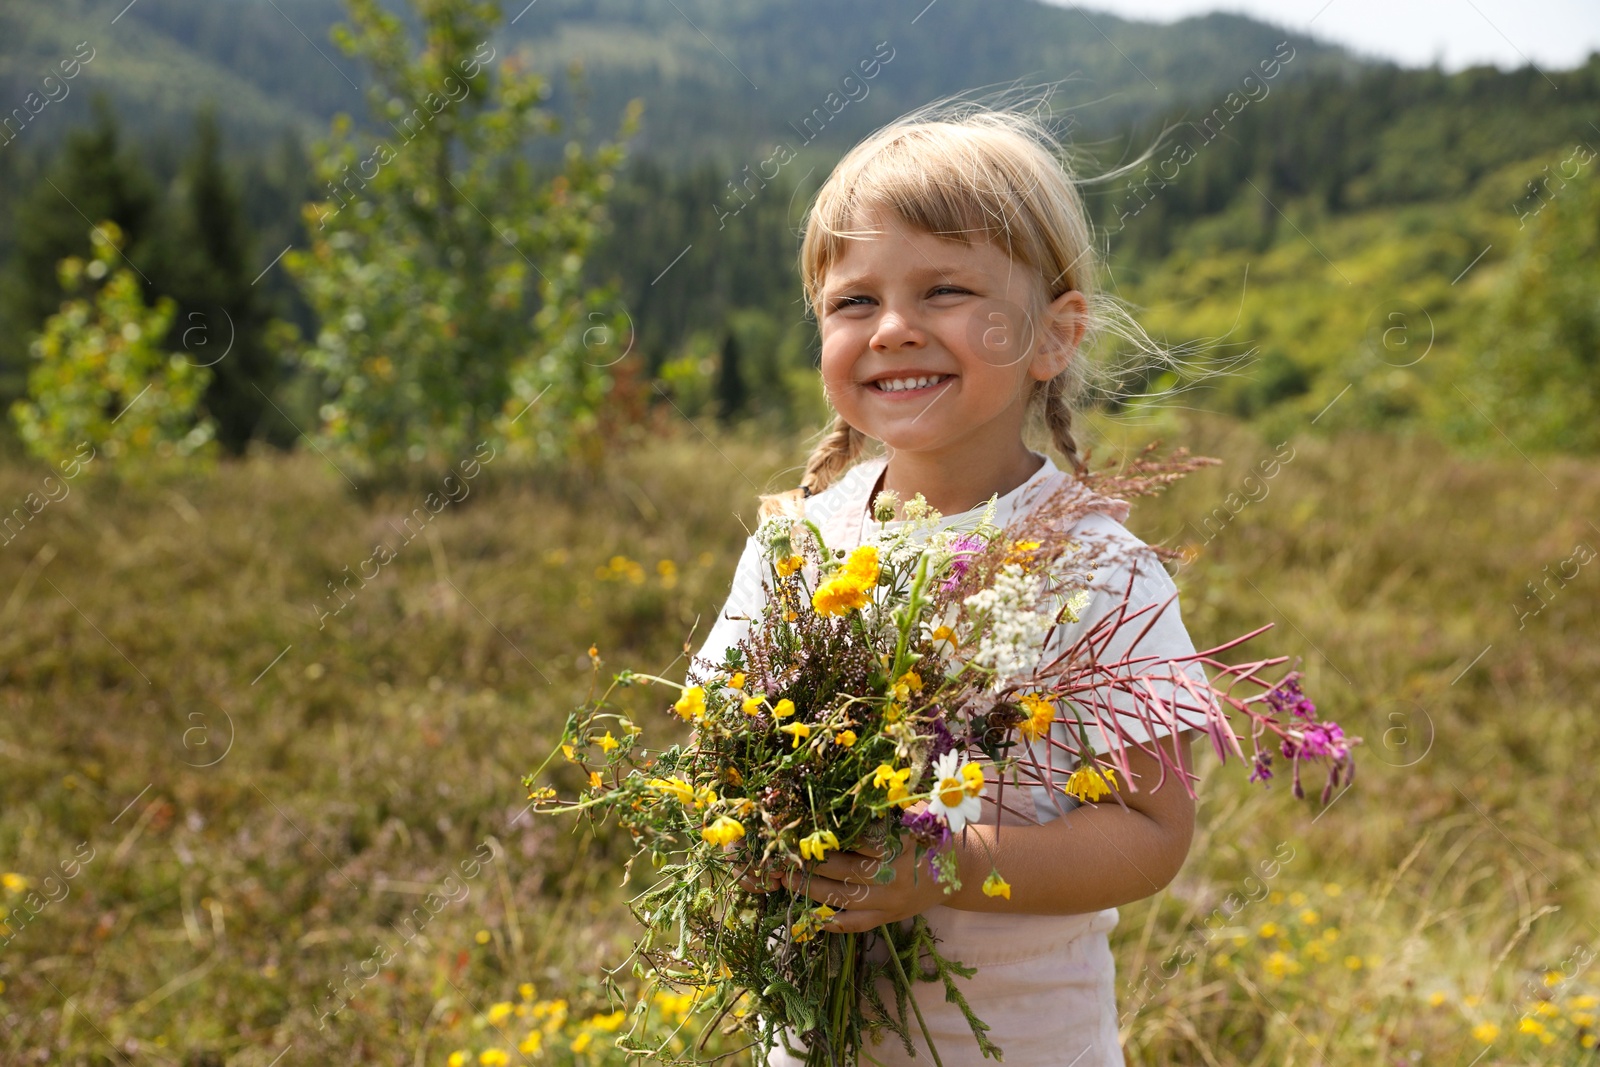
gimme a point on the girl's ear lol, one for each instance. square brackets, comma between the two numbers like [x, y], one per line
[1066, 319]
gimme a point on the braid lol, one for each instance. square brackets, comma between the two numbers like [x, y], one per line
[1058, 417]
[841, 447]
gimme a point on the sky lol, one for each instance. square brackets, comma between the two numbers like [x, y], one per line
[1551, 34]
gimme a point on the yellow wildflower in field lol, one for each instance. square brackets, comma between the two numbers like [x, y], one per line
[1486, 1032]
[608, 1022]
[494, 1057]
[798, 730]
[595, 780]
[845, 738]
[581, 1042]
[1309, 917]
[531, 1044]
[525, 991]
[692, 704]
[1279, 964]
[459, 1058]
[570, 753]
[1353, 962]
[13, 883]
[1041, 713]
[783, 709]
[607, 742]
[499, 1012]
[1088, 784]
[1268, 929]
[815, 845]
[996, 886]
[751, 705]
[481, 937]
[722, 831]
[1436, 998]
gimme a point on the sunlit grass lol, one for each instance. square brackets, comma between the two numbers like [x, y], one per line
[233, 897]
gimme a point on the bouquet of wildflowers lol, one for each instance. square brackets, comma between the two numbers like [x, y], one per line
[886, 693]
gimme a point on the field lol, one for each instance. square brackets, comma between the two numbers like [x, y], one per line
[240, 827]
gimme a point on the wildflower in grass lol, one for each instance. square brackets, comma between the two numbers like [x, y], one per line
[815, 845]
[675, 787]
[570, 753]
[736, 681]
[692, 704]
[607, 742]
[751, 705]
[1041, 713]
[481, 937]
[1262, 769]
[532, 1043]
[13, 883]
[498, 1012]
[722, 831]
[581, 1042]
[953, 795]
[1486, 1032]
[846, 738]
[494, 1057]
[459, 1058]
[996, 886]
[525, 990]
[595, 780]
[1268, 929]
[1353, 962]
[798, 730]
[783, 709]
[1090, 783]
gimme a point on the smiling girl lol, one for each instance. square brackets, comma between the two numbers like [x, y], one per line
[951, 268]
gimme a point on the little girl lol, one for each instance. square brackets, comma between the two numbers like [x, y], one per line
[949, 264]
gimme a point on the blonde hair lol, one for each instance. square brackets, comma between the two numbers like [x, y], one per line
[962, 170]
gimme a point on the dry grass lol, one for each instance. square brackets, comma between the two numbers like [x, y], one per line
[141, 626]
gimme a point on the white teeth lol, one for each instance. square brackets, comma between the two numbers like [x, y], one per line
[895, 385]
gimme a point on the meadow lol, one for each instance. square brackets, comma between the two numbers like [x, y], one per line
[239, 828]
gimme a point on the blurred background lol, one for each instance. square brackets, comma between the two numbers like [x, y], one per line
[365, 363]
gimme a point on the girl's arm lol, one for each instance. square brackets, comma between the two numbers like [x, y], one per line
[1095, 856]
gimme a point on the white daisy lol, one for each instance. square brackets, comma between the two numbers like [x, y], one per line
[957, 791]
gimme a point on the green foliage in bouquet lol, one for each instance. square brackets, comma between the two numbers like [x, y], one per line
[882, 698]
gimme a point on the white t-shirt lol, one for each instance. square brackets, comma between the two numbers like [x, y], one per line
[841, 512]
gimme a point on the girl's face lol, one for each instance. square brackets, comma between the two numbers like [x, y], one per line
[928, 344]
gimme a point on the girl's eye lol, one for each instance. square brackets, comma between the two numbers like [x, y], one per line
[849, 301]
[948, 289]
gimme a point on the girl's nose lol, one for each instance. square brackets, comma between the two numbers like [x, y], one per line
[896, 330]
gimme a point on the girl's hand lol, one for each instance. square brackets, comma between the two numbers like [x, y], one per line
[847, 881]
[751, 876]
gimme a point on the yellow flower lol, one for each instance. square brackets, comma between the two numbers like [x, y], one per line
[494, 1057]
[863, 564]
[481, 937]
[543, 792]
[996, 886]
[595, 780]
[809, 923]
[815, 845]
[886, 777]
[789, 564]
[1526, 1025]
[704, 797]
[609, 1022]
[1435, 999]
[737, 681]
[722, 831]
[692, 704]
[798, 730]
[1022, 552]
[499, 1013]
[570, 753]
[1268, 930]
[1486, 1032]
[459, 1058]
[751, 705]
[581, 1042]
[530, 1044]
[840, 594]
[1041, 713]
[845, 737]
[972, 779]
[13, 882]
[1353, 962]
[1088, 784]
[674, 787]
[783, 709]
[1309, 917]
[607, 742]
[525, 990]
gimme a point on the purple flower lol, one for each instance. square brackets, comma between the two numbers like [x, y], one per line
[943, 740]
[962, 550]
[933, 832]
[1263, 767]
[1287, 697]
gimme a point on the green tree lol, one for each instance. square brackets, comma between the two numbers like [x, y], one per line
[730, 383]
[1536, 374]
[221, 318]
[101, 374]
[446, 273]
[93, 178]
